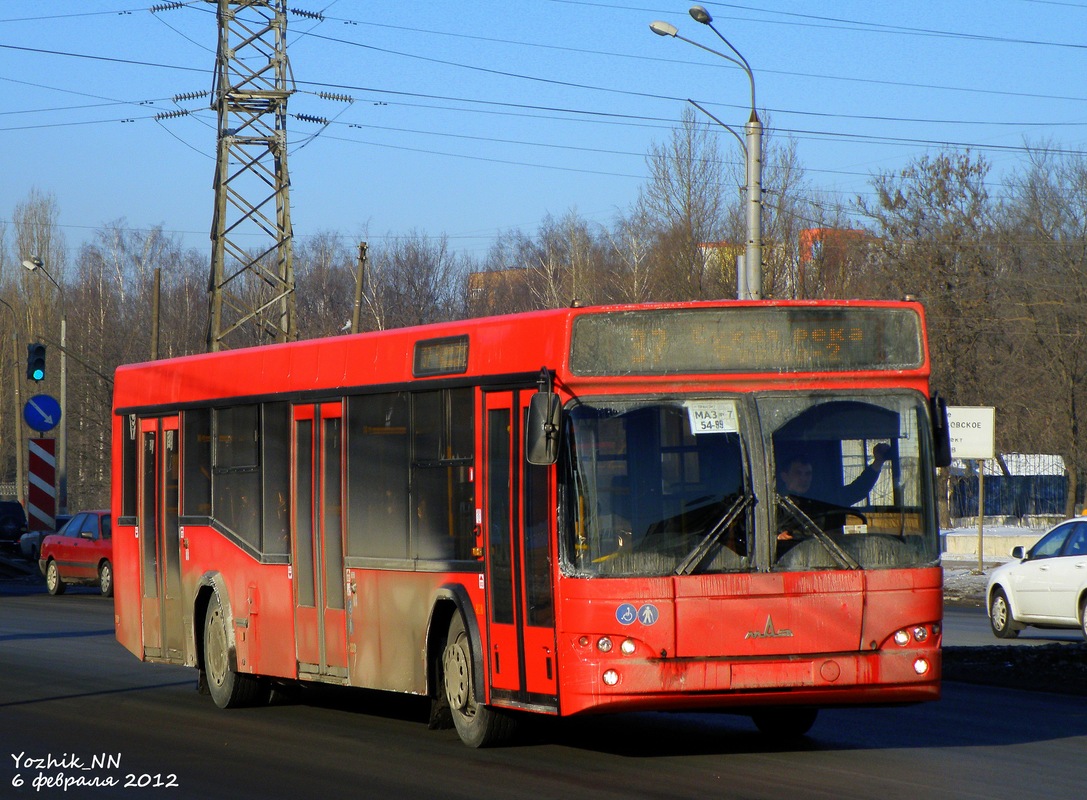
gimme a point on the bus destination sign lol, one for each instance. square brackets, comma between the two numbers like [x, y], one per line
[749, 339]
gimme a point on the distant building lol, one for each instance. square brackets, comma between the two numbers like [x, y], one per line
[830, 244]
[720, 257]
[499, 291]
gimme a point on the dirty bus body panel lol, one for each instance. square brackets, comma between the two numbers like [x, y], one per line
[560, 512]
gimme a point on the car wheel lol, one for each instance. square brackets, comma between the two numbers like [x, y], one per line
[53, 581]
[1083, 617]
[1000, 616]
[105, 579]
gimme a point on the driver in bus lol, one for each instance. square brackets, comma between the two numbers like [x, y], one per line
[795, 475]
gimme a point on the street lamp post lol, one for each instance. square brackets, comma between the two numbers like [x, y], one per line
[20, 482]
[748, 284]
[34, 264]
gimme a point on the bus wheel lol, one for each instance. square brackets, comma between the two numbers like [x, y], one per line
[476, 724]
[785, 723]
[105, 579]
[53, 581]
[229, 689]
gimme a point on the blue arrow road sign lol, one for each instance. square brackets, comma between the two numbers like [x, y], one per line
[42, 412]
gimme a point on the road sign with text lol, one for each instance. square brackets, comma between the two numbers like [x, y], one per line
[973, 431]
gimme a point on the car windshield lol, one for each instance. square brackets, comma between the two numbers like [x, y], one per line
[655, 487]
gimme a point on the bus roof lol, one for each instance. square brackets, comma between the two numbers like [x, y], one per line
[754, 337]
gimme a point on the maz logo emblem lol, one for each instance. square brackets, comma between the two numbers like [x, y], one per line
[769, 631]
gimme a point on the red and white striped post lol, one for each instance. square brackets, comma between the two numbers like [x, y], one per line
[42, 489]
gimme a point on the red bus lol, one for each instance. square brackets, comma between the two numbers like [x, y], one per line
[721, 506]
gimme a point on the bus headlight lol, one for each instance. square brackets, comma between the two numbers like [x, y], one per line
[902, 638]
[611, 677]
[603, 644]
[920, 666]
[628, 647]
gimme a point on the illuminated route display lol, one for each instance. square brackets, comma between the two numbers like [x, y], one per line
[756, 339]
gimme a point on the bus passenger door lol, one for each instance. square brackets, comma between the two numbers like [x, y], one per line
[160, 539]
[317, 540]
[517, 521]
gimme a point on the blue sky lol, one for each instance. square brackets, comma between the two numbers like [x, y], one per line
[475, 117]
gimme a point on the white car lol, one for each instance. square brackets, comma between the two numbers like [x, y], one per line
[1046, 587]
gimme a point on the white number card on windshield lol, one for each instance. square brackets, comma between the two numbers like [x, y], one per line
[712, 416]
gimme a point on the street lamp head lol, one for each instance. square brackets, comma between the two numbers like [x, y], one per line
[663, 29]
[701, 15]
[32, 263]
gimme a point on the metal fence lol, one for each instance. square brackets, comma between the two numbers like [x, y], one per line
[1016, 486]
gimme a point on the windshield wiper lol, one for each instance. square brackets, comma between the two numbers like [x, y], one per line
[698, 555]
[837, 553]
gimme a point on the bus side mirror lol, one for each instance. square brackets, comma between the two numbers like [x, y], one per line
[542, 429]
[941, 432]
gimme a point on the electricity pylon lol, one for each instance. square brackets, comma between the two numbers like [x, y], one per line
[251, 286]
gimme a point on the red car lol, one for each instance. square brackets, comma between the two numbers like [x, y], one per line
[79, 553]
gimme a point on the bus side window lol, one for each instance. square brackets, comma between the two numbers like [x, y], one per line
[196, 461]
[378, 469]
[276, 468]
[236, 472]
[441, 487]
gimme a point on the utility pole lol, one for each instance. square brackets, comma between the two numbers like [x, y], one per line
[360, 287]
[251, 286]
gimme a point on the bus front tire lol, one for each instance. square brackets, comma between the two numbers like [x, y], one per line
[228, 688]
[477, 725]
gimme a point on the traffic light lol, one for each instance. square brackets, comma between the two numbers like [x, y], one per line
[35, 361]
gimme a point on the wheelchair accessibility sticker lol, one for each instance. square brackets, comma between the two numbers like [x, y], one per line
[626, 614]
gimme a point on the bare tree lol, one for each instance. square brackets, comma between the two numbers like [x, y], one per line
[502, 284]
[414, 280]
[564, 264]
[630, 262]
[1044, 237]
[325, 273]
[934, 233]
[684, 200]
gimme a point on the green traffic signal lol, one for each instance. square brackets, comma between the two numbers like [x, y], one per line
[35, 361]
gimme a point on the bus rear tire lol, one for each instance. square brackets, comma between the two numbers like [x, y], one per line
[228, 688]
[477, 725]
[785, 723]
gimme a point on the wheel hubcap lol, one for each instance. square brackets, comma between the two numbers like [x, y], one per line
[216, 655]
[457, 676]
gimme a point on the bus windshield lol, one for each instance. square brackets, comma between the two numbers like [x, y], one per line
[665, 486]
[647, 495]
[851, 478]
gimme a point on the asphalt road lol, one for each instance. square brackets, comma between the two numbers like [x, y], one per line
[74, 703]
[969, 627]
